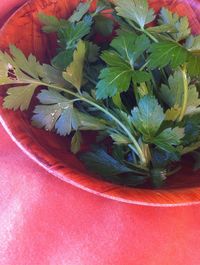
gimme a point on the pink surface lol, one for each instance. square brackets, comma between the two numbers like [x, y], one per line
[44, 221]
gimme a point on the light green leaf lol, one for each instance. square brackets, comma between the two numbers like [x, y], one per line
[169, 138]
[148, 116]
[119, 139]
[19, 97]
[193, 100]
[172, 94]
[193, 44]
[76, 142]
[180, 24]
[173, 113]
[74, 73]
[80, 11]
[136, 10]
[51, 23]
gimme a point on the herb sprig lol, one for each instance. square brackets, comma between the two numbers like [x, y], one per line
[140, 91]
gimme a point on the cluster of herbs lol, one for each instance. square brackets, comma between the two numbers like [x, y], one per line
[141, 89]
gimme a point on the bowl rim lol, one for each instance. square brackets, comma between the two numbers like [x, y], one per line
[159, 198]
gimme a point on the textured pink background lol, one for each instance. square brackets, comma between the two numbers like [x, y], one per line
[44, 221]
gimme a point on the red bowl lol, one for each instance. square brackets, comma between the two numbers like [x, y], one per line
[51, 151]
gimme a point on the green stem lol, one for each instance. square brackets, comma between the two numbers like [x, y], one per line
[103, 109]
[142, 30]
[150, 35]
[185, 92]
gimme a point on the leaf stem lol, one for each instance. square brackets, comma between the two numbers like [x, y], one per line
[142, 30]
[185, 92]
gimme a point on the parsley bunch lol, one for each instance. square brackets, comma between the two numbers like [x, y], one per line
[139, 92]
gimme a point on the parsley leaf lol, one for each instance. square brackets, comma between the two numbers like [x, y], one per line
[148, 116]
[169, 138]
[51, 23]
[172, 93]
[74, 72]
[167, 53]
[130, 46]
[99, 161]
[80, 11]
[56, 111]
[172, 53]
[19, 98]
[76, 142]
[181, 24]
[120, 72]
[136, 10]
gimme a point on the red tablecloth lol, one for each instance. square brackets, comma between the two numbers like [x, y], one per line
[44, 221]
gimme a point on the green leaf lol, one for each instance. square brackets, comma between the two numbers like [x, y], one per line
[172, 94]
[74, 72]
[92, 51]
[180, 24]
[80, 11]
[88, 122]
[56, 111]
[76, 142]
[103, 25]
[136, 10]
[148, 116]
[25, 74]
[166, 28]
[119, 138]
[172, 53]
[173, 113]
[20, 97]
[130, 46]
[51, 23]
[193, 100]
[63, 59]
[30, 66]
[117, 77]
[167, 53]
[193, 64]
[73, 32]
[169, 138]
[193, 43]
[103, 164]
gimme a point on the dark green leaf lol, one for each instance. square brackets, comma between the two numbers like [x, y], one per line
[102, 163]
[63, 59]
[103, 25]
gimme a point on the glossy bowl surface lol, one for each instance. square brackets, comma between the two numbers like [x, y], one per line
[51, 151]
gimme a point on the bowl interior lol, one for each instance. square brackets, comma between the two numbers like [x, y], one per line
[52, 151]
